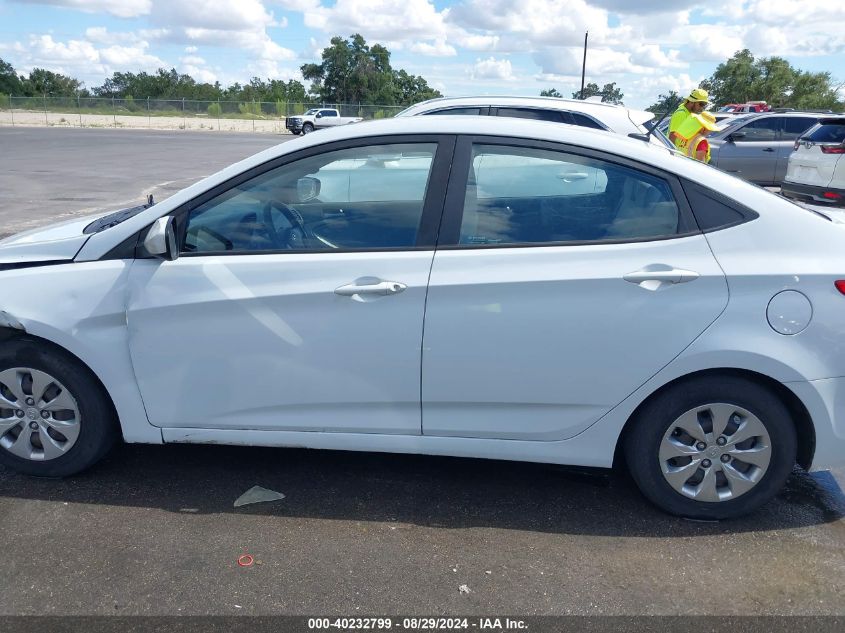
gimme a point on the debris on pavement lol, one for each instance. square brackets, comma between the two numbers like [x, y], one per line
[246, 560]
[257, 494]
[464, 589]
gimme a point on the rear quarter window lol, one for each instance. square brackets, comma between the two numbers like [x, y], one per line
[712, 210]
[827, 132]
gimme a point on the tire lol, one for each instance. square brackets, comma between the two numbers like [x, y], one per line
[80, 421]
[307, 128]
[661, 454]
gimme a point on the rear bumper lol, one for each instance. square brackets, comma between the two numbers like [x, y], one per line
[813, 193]
[825, 402]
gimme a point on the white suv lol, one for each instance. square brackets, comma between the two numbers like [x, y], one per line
[591, 113]
[816, 171]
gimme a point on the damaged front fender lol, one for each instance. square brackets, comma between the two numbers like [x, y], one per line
[9, 321]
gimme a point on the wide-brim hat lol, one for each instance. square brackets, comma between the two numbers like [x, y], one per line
[708, 121]
[699, 95]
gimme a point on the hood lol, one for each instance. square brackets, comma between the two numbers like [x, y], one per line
[54, 242]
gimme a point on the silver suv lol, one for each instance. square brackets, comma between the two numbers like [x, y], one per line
[591, 113]
[757, 147]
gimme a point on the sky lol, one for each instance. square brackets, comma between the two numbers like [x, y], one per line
[461, 47]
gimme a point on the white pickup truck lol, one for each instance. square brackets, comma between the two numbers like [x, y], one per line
[317, 118]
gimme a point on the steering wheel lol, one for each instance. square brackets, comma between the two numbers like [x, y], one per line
[297, 236]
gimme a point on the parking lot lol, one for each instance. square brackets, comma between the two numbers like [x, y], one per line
[152, 529]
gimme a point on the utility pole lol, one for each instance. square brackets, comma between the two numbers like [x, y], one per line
[584, 64]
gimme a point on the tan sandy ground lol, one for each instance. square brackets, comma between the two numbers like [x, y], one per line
[53, 119]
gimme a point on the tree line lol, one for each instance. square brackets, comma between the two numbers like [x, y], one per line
[740, 79]
[744, 78]
[350, 72]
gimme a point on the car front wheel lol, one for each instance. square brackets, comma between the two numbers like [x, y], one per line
[307, 128]
[55, 419]
[715, 448]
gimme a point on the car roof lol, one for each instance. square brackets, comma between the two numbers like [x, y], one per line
[602, 111]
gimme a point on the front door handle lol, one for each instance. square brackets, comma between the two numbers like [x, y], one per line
[381, 289]
[769, 149]
[656, 279]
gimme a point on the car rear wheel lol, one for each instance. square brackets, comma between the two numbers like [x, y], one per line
[55, 419]
[715, 448]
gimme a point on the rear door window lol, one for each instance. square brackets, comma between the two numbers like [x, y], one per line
[523, 195]
[793, 127]
[585, 121]
[538, 114]
[468, 111]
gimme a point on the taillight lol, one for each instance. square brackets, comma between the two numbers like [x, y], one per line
[795, 146]
[832, 195]
[840, 285]
[833, 149]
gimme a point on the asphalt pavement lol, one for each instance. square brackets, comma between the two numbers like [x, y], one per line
[153, 530]
[49, 174]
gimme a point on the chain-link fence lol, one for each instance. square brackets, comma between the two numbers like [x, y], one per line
[183, 114]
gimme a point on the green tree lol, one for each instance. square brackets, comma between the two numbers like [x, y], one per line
[10, 83]
[353, 72]
[46, 82]
[743, 78]
[609, 93]
[411, 89]
[665, 103]
[551, 92]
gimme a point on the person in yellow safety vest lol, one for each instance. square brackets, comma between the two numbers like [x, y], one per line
[693, 136]
[694, 104]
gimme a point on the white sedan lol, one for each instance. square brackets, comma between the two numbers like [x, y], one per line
[449, 286]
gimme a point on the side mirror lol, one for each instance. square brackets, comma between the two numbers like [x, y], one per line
[319, 115]
[736, 136]
[161, 239]
[307, 189]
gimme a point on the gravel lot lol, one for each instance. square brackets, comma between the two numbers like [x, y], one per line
[152, 529]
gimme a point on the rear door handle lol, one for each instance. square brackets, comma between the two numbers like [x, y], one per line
[769, 149]
[381, 289]
[655, 279]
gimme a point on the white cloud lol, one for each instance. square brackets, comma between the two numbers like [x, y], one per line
[601, 61]
[439, 49]
[713, 42]
[473, 42]
[82, 59]
[297, 5]
[191, 49]
[119, 8]
[492, 68]
[383, 20]
[556, 22]
[101, 35]
[221, 15]
[645, 90]
[643, 6]
[651, 56]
